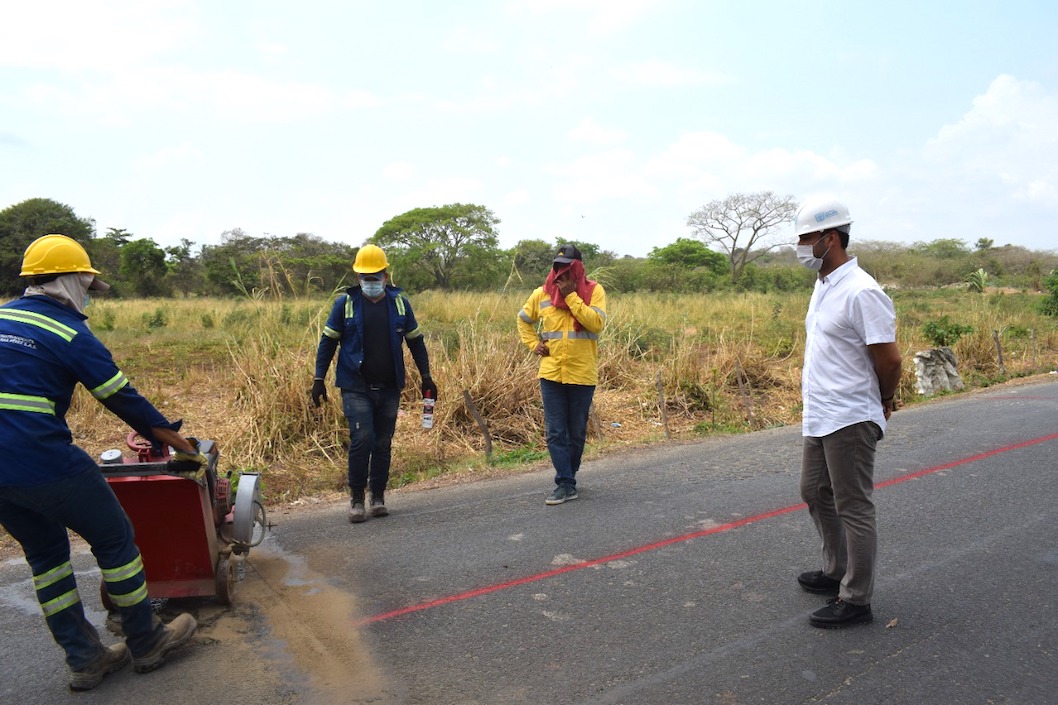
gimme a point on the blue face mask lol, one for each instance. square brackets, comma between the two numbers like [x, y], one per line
[373, 288]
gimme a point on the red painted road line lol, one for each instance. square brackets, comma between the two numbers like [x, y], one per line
[459, 597]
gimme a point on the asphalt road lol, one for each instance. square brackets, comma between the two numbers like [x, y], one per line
[670, 580]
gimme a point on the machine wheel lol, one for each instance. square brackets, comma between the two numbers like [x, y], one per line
[104, 597]
[225, 581]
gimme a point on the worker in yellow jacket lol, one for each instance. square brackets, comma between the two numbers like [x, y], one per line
[570, 311]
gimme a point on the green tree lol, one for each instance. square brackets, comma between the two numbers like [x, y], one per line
[689, 254]
[943, 248]
[448, 247]
[143, 267]
[184, 271]
[742, 225]
[531, 261]
[23, 223]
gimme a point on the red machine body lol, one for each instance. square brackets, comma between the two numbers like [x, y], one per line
[178, 521]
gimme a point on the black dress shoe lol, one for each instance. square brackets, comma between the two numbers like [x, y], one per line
[838, 614]
[815, 581]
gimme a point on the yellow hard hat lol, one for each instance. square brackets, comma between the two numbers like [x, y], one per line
[55, 254]
[370, 259]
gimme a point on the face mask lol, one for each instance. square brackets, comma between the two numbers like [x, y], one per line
[373, 289]
[806, 256]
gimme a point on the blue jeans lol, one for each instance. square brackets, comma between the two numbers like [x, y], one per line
[372, 417]
[566, 408]
[38, 517]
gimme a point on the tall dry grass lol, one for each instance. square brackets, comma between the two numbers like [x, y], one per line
[240, 371]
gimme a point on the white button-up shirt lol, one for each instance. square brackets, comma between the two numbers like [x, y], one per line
[839, 386]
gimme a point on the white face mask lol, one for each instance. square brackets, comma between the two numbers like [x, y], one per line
[373, 289]
[806, 256]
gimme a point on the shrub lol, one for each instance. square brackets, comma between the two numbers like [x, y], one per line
[944, 333]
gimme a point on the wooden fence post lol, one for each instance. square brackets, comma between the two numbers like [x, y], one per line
[481, 424]
[661, 406]
[999, 352]
[743, 390]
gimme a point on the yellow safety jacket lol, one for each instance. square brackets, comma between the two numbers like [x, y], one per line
[574, 355]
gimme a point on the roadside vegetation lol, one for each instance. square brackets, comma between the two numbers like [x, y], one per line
[239, 370]
[705, 334]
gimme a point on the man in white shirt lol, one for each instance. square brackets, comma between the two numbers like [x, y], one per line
[851, 373]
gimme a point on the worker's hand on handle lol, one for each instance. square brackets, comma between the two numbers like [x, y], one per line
[429, 388]
[319, 391]
[171, 438]
[187, 458]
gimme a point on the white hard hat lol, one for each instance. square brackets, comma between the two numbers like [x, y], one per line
[820, 213]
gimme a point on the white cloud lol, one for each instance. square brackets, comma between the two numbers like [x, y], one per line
[167, 157]
[517, 197]
[1007, 141]
[225, 95]
[93, 36]
[657, 73]
[606, 176]
[591, 132]
[398, 171]
[468, 40]
[601, 17]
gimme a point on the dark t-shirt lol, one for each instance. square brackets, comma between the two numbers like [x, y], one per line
[377, 367]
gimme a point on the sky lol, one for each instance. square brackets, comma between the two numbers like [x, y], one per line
[601, 121]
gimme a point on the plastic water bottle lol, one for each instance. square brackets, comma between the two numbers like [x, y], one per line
[428, 403]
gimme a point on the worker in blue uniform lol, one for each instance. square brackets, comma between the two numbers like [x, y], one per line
[370, 322]
[48, 485]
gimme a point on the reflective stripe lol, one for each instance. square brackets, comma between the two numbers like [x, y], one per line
[570, 335]
[400, 305]
[52, 576]
[545, 303]
[130, 598]
[417, 333]
[23, 402]
[599, 311]
[35, 319]
[331, 333]
[111, 387]
[525, 317]
[123, 572]
[350, 311]
[68, 599]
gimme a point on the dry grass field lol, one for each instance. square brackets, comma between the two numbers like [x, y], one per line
[239, 371]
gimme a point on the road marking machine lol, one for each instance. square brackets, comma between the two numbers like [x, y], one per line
[190, 524]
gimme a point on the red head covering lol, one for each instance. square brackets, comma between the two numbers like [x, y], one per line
[583, 286]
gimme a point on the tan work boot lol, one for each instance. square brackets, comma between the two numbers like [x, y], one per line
[176, 634]
[357, 514]
[112, 659]
[378, 506]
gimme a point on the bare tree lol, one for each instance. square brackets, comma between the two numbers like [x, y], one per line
[741, 225]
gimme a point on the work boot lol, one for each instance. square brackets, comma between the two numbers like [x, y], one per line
[357, 514]
[378, 506]
[838, 614]
[111, 659]
[818, 582]
[175, 634]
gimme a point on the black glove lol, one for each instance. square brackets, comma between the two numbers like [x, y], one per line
[429, 388]
[319, 391]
